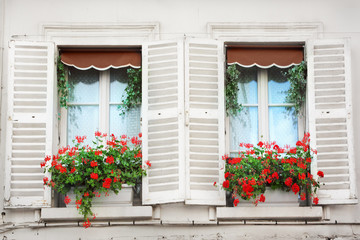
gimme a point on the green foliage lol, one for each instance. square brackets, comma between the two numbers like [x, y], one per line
[231, 90]
[62, 84]
[297, 92]
[268, 165]
[133, 91]
[96, 170]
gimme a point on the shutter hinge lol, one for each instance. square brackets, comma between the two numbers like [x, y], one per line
[187, 120]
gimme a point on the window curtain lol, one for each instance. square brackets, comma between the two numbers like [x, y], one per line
[265, 56]
[101, 59]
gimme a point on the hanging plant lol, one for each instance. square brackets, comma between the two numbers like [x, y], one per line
[297, 92]
[62, 85]
[231, 90]
[132, 96]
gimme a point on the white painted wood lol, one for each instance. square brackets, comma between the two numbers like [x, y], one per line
[330, 119]
[30, 122]
[123, 198]
[101, 34]
[102, 213]
[269, 213]
[163, 122]
[205, 131]
[265, 31]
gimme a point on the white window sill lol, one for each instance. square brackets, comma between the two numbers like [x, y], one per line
[269, 213]
[102, 213]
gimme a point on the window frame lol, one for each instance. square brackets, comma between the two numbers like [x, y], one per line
[263, 112]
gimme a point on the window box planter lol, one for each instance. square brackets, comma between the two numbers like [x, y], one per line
[123, 198]
[274, 198]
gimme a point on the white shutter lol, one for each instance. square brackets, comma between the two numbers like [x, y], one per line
[204, 120]
[29, 135]
[163, 121]
[330, 119]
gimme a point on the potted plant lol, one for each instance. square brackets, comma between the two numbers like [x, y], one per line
[267, 166]
[93, 171]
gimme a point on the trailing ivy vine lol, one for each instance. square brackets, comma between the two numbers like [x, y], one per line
[297, 92]
[231, 90]
[133, 91]
[62, 84]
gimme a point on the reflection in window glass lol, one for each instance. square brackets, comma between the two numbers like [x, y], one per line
[277, 85]
[282, 126]
[244, 127]
[248, 89]
[82, 121]
[128, 124]
[118, 82]
[283, 123]
[84, 86]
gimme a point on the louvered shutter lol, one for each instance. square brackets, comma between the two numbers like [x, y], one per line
[163, 121]
[29, 136]
[330, 119]
[204, 113]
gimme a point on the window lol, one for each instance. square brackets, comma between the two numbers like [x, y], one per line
[95, 98]
[265, 116]
[183, 95]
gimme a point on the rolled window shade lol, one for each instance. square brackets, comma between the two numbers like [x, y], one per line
[101, 59]
[265, 56]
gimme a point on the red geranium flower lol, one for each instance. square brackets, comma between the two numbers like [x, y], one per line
[288, 181]
[226, 184]
[94, 175]
[87, 224]
[295, 188]
[236, 201]
[67, 200]
[320, 174]
[93, 164]
[262, 198]
[316, 201]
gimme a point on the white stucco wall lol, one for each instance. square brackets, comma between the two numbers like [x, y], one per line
[178, 18]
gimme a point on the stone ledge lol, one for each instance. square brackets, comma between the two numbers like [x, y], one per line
[269, 213]
[102, 213]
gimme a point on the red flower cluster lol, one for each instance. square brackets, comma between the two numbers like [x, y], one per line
[94, 176]
[107, 183]
[110, 159]
[267, 164]
[67, 200]
[93, 164]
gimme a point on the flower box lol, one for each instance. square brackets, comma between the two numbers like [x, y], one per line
[274, 198]
[123, 198]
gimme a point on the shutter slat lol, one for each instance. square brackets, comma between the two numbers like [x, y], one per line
[29, 133]
[330, 119]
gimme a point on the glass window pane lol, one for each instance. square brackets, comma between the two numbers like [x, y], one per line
[118, 82]
[278, 85]
[244, 127]
[82, 121]
[128, 124]
[84, 85]
[283, 126]
[248, 90]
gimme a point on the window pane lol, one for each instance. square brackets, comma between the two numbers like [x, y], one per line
[128, 124]
[283, 126]
[84, 86]
[278, 85]
[244, 127]
[82, 121]
[118, 83]
[248, 86]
